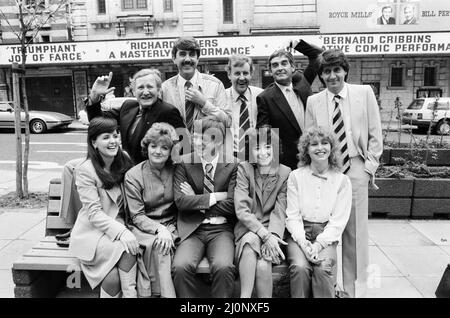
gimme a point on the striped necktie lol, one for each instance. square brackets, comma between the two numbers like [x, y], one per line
[208, 182]
[339, 130]
[189, 108]
[244, 122]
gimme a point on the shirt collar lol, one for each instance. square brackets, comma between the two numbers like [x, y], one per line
[235, 95]
[283, 87]
[213, 162]
[193, 80]
[343, 93]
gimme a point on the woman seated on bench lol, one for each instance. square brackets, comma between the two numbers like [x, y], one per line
[260, 203]
[149, 194]
[106, 248]
[319, 200]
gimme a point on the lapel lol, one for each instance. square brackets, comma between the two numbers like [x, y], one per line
[152, 114]
[283, 105]
[356, 104]
[323, 116]
[201, 86]
[196, 171]
[176, 95]
[127, 116]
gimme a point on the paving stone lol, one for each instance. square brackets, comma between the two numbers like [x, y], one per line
[426, 285]
[6, 284]
[13, 225]
[417, 260]
[35, 233]
[396, 233]
[380, 263]
[3, 243]
[437, 232]
[394, 287]
[13, 251]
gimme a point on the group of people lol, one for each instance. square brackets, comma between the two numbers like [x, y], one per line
[159, 189]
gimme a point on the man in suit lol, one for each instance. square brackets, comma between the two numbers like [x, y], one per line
[135, 117]
[204, 191]
[352, 113]
[386, 18]
[408, 12]
[282, 104]
[195, 94]
[241, 99]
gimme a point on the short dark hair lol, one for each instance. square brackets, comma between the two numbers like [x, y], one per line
[386, 7]
[281, 53]
[333, 57]
[186, 43]
[264, 134]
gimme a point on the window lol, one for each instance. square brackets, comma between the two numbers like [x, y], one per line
[134, 4]
[441, 105]
[101, 6]
[429, 76]
[29, 39]
[168, 5]
[227, 11]
[396, 76]
[45, 38]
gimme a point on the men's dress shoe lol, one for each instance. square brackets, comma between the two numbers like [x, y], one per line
[63, 243]
[63, 236]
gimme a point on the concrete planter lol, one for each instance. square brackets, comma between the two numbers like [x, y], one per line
[410, 198]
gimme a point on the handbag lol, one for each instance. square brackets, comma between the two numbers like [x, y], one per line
[443, 289]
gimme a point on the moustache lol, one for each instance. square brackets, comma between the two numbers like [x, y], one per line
[187, 63]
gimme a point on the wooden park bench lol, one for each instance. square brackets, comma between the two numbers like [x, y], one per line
[47, 269]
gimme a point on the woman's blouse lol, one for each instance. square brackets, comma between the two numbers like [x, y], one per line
[319, 199]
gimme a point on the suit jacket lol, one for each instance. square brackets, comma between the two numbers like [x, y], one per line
[365, 121]
[390, 21]
[159, 112]
[251, 210]
[98, 215]
[213, 90]
[412, 21]
[189, 207]
[274, 109]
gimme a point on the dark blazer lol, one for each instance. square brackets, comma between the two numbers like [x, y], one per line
[390, 21]
[189, 206]
[159, 112]
[274, 110]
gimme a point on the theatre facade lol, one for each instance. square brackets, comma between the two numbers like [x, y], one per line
[404, 65]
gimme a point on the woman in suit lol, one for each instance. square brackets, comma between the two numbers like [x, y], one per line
[319, 199]
[100, 240]
[149, 193]
[260, 203]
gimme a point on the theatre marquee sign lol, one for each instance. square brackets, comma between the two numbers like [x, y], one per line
[123, 51]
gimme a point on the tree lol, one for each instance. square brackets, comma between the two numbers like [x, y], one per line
[32, 15]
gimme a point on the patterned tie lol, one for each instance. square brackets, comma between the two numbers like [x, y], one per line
[208, 182]
[189, 107]
[339, 130]
[244, 122]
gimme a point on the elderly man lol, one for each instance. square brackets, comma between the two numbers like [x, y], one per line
[135, 117]
[196, 95]
[241, 99]
[408, 12]
[282, 104]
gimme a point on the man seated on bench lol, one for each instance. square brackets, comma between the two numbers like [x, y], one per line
[204, 190]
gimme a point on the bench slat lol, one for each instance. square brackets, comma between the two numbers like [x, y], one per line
[55, 222]
[203, 266]
[64, 253]
[48, 246]
[53, 207]
[55, 190]
[45, 263]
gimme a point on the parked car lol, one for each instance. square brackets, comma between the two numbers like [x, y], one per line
[420, 113]
[40, 121]
[107, 104]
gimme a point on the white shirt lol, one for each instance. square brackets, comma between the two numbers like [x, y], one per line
[318, 199]
[344, 106]
[182, 83]
[295, 103]
[236, 112]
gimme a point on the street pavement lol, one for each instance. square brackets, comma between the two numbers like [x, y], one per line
[407, 257]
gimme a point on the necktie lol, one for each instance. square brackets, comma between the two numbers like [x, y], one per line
[208, 182]
[339, 130]
[244, 122]
[189, 108]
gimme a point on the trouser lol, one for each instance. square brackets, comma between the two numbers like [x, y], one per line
[217, 242]
[308, 279]
[355, 239]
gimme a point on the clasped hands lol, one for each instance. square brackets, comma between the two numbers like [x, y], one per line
[164, 241]
[311, 251]
[271, 250]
